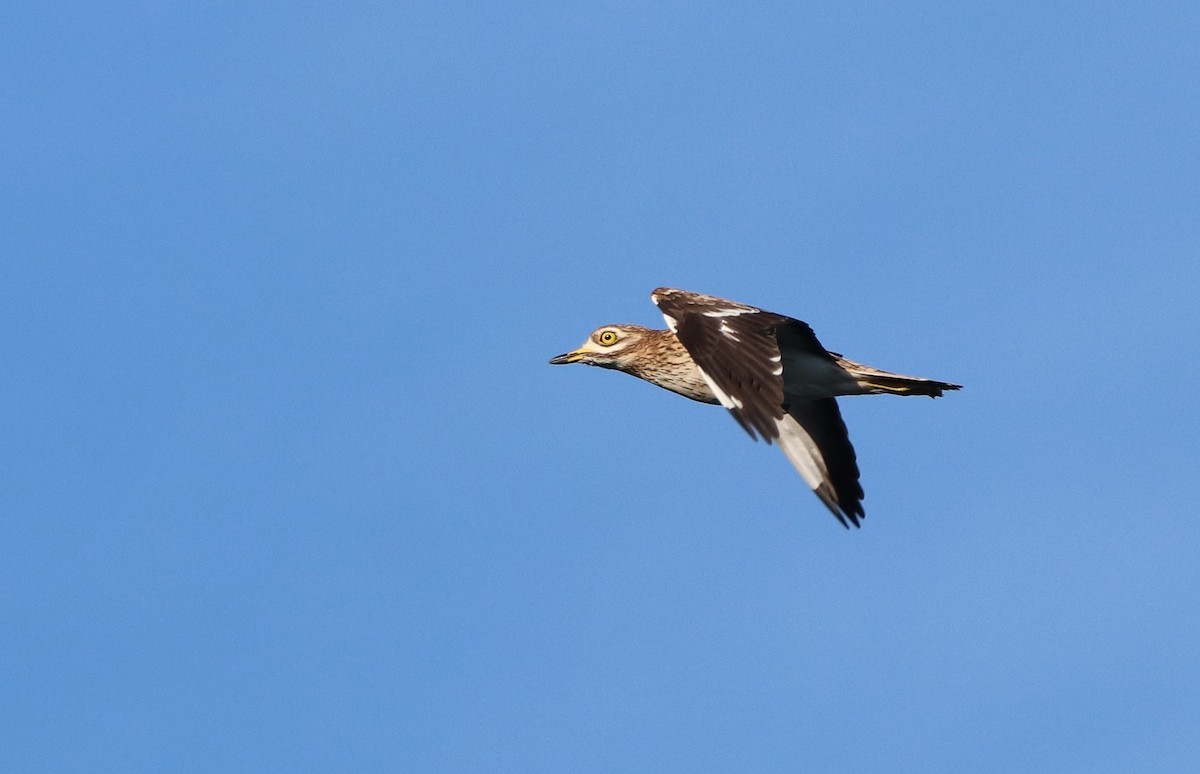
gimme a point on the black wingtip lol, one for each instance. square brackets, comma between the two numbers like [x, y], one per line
[848, 514]
[850, 517]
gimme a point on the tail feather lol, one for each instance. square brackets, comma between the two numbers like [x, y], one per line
[874, 380]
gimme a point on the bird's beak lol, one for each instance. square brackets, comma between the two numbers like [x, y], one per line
[570, 357]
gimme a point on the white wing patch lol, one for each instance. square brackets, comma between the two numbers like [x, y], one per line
[804, 454]
[729, 311]
[730, 333]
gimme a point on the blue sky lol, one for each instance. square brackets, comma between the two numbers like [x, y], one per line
[289, 485]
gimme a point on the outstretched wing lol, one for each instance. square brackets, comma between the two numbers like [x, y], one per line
[737, 349]
[822, 424]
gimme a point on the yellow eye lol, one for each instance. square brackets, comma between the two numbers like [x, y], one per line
[607, 337]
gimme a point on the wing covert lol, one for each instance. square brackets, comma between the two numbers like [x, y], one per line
[735, 349]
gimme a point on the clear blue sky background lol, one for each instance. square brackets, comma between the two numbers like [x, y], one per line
[289, 486]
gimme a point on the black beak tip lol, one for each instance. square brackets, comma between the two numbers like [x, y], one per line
[559, 360]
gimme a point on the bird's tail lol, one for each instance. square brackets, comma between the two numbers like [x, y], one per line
[874, 380]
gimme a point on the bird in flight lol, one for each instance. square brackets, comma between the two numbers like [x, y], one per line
[769, 370]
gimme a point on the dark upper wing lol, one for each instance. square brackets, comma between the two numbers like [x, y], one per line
[736, 347]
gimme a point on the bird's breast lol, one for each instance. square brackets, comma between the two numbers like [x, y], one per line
[679, 375]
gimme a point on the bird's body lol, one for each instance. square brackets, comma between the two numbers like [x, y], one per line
[769, 370]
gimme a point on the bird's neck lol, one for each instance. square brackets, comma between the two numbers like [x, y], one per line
[662, 360]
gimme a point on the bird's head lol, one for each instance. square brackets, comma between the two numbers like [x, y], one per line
[612, 346]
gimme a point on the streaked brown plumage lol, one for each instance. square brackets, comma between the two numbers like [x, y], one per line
[769, 370]
[654, 355]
